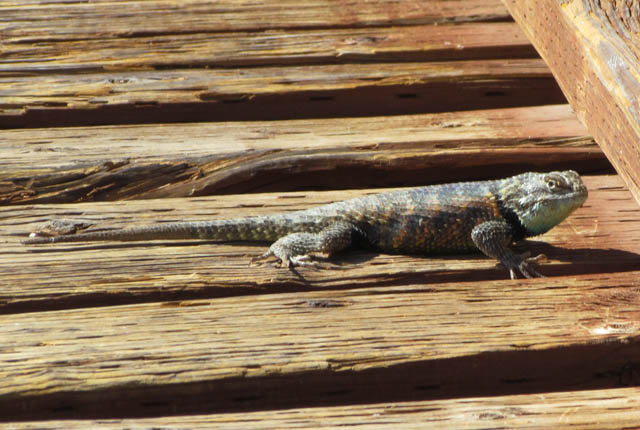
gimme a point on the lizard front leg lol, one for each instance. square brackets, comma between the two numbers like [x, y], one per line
[494, 239]
[294, 249]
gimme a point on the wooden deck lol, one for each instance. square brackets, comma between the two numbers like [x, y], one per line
[128, 113]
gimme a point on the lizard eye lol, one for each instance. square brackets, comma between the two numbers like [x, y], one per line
[552, 184]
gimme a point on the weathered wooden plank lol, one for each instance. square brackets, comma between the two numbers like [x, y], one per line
[82, 53]
[274, 93]
[180, 160]
[600, 238]
[332, 347]
[592, 48]
[36, 21]
[613, 409]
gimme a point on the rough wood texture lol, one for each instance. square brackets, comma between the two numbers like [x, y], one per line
[40, 17]
[329, 347]
[229, 33]
[135, 162]
[598, 410]
[592, 48]
[211, 48]
[159, 62]
[275, 93]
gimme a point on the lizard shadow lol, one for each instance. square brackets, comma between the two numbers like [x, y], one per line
[358, 268]
[584, 261]
[575, 261]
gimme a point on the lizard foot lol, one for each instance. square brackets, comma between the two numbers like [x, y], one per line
[297, 249]
[288, 261]
[295, 261]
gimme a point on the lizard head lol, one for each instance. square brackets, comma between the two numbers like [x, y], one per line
[543, 200]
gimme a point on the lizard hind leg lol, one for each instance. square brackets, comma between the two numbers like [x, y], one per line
[295, 249]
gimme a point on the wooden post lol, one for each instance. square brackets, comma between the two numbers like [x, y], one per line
[593, 49]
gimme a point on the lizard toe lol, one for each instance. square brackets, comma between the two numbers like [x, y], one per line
[303, 260]
[261, 257]
[525, 265]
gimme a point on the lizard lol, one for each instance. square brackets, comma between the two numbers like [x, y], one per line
[486, 216]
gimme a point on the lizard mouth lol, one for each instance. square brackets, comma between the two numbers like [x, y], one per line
[546, 214]
[574, 199]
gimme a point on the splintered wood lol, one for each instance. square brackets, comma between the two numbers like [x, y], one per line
[181, 160]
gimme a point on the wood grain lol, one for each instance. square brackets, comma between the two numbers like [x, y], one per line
[263, 93]
[42, 19]
[167, 62]
[592, 48]
[331, 347]
[163, 49]
[69, 37]
[181, 160]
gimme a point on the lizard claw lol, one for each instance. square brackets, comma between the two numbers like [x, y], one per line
[303, 260]
[525, 265]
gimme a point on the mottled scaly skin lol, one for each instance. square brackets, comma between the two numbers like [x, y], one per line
[451, 218]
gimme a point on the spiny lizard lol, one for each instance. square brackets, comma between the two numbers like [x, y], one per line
[451, 218]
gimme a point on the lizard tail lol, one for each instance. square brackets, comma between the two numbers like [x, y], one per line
[266, 228]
